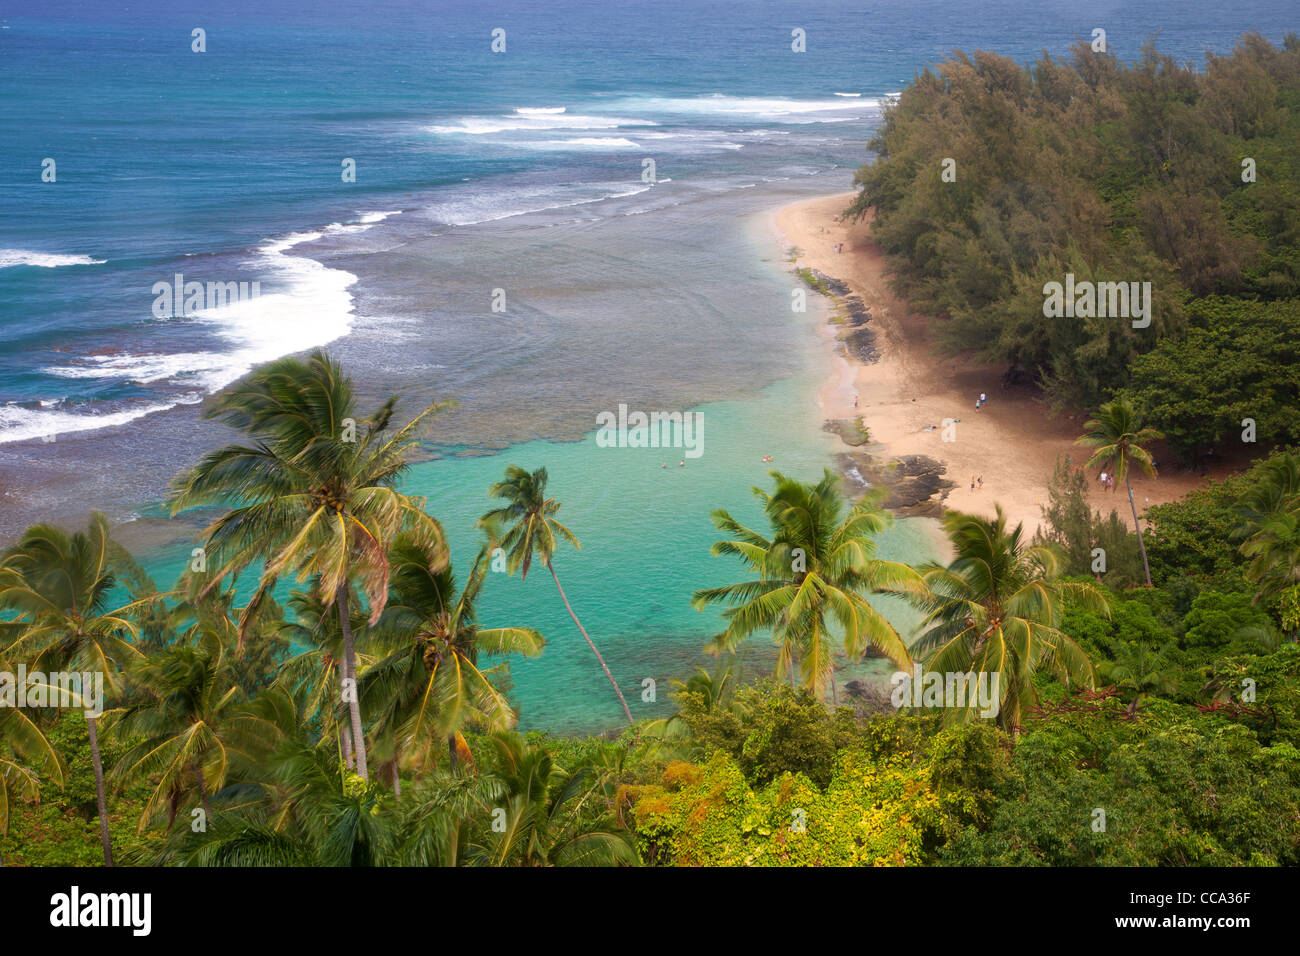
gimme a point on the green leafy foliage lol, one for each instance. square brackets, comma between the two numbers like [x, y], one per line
[1111, 172]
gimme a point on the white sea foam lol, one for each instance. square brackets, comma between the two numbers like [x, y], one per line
[480, 207]
[47, 260]
[312, 308]
[767, 108]
[533, 122]
[585, 142]
[26, 424]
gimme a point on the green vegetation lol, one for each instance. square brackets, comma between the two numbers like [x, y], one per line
[351, 709]
[1148, 726]
[813, 570]
[812, 280]
[1113, 172]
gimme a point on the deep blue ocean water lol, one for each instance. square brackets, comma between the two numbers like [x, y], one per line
[475, 171]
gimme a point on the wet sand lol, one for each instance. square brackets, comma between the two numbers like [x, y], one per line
[1013, 442]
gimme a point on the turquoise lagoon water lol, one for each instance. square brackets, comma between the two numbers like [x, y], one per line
[475, 172]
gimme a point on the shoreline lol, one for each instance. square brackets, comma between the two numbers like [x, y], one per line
[907, 387]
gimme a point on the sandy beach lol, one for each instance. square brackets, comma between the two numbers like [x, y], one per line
[1012, 443]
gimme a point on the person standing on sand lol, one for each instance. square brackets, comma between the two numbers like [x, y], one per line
[981, 482]
[983, 399]
[972, 482]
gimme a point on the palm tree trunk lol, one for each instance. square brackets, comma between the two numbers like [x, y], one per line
[101, 800]
[397, 772]
[454, 763]
[612, 682]
[1141, 543]
[345, 744]
[350, 670]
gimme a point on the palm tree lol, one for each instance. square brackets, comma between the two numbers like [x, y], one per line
[313, 673]
[57, 586]
[532, 528]
[1119, 436]
[552, 816]
[1274, 551]
[260, 644]
[1140, 671]
[314, 494]
[714, 693]
[1274, 492]
[182, 725]
[1268, 525]
[24, 750]
[996, 610]
[430, 684]
[440, 819]
[311, 812]
[814, 569]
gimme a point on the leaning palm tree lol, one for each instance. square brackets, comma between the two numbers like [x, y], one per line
[814, 569]
[57, 587]
[430, 686]
[313, 494]
[532, 529]
[1118, 436]
[996, 609]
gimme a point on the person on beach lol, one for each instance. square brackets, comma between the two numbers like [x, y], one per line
[983, 399]
[972, 482]
[855, 401]
[980, 482]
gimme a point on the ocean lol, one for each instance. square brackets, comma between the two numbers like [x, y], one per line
[543, 233]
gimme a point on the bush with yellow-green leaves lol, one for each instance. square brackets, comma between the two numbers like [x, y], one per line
[872, 813]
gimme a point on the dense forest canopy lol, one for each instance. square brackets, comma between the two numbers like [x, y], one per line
[1153, 171]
